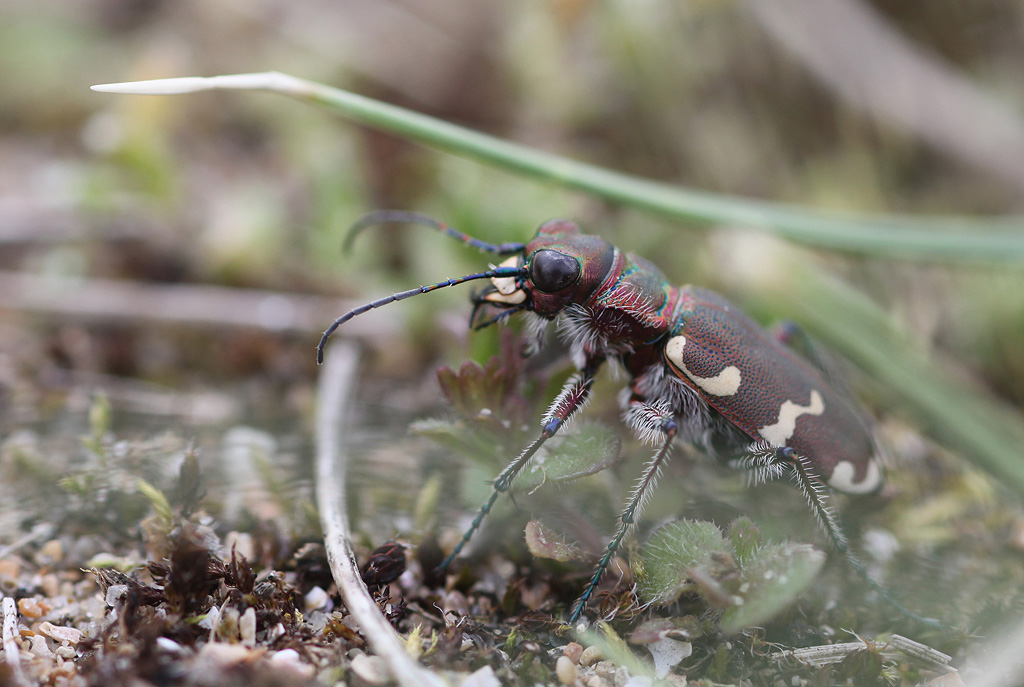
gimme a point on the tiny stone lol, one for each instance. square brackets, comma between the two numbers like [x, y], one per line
[950, 679]
[39, 647]
[61, 634]
[247, 627]
[239, 543]
[32, 608]
[455, 601]
[565, 670]
[52, 551]
[50, 585]
[371, 669]
[275, 632]
[590, 656]
[66, 652]
[114, 593]
[289, 661]
[316, 598]
[220, 656]
[9, 568]
[484, 677]
[573, 651]
[605, 669]
[168, 645]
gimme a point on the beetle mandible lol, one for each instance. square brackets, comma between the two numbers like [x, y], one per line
[699, 369]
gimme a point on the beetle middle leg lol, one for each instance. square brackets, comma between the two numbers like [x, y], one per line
[648, 421]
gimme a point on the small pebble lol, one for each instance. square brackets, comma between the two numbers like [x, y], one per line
[316, 598]
[241, 544]
[39, 647]
[247, 627]
[573, 651]
[950, 679]
[168, 645]
[605, 669]
[590, 656]
[9, 568]
[565, 670]
[50, 585]
[52, 551]
[289, 662]
[220, 656]
[370, 669]
[114, 593]
[66, 652]
[61, 634]
[33, 608]
[484, 677]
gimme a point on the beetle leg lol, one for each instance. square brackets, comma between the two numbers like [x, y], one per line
[668, 428]
[573, 396]
[762, 463]
[817, 494]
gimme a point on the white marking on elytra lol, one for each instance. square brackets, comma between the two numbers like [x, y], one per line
[508, 292]
[779, 433]
[725, 383]
[844, 475]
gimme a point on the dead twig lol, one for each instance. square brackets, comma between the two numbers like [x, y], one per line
[108, 300]
[334, 394]
[10, 630]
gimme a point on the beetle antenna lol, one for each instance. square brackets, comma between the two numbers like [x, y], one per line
[387, 216]
[496, 273]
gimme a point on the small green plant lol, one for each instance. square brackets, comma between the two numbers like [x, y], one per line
[493, 420]
[745, 580]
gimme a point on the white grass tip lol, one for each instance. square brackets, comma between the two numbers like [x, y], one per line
[274, 81]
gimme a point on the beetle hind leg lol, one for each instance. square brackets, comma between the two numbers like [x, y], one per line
[762, 463]
[818, 494]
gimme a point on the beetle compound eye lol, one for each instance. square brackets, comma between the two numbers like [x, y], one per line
[552, 271]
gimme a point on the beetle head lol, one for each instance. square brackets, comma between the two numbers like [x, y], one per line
[561, 266]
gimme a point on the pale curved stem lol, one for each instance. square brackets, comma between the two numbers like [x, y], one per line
[335, 391]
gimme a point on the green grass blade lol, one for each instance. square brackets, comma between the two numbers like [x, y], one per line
[945, 239]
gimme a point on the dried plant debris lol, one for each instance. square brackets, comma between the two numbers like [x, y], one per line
[204, 609]
[159, 590]
[200, 619]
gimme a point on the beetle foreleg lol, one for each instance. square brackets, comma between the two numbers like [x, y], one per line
[573, 396]
[643, 490]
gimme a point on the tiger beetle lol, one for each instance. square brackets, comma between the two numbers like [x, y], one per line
[699, 368]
